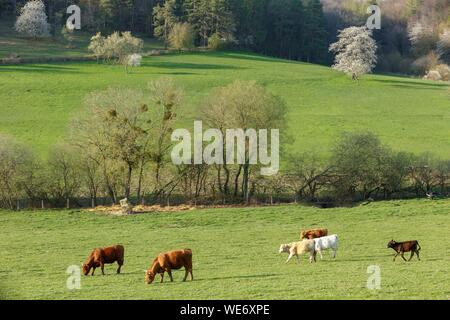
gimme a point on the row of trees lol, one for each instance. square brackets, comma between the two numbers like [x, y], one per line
[414, 37]
[120, 144]
[293, 29]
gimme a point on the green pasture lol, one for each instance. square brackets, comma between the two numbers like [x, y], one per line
[235, 253]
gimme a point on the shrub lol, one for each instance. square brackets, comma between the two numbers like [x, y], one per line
[117, 46]
[433, 75]
[181, 36]
[425, 63]
[133, 60]
[97, 46]
[444, 71]
[217, 42]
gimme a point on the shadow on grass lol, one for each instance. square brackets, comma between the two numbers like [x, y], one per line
[183, 65]
[255, 276]
[248, 56]
[57, 69]
[177, 73]
[413, 84]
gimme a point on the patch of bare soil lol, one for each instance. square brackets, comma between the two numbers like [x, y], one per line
[140, 209]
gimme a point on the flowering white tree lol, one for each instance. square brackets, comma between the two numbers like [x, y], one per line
[117, 46]
[33, 20]
[355, 51]
[134, 60]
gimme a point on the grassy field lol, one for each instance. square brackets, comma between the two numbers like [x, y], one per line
[235, 253]
[37, 101]
[13, 43]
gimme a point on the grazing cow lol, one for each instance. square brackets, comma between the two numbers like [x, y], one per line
[407, 246]
[100, 256]
[166, 262]
[299, 248]
[313, 234]
[325, 243]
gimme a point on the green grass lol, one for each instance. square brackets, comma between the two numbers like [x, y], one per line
[13, 43]
[235, 253]
[37, 101]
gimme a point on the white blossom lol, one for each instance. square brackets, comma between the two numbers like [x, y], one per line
[134, 60]
[33, 20]
[355, 51]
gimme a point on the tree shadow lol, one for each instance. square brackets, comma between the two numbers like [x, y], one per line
[38, 69]
[185, 65]
[413, 84]
[255, 276]
[250, 57]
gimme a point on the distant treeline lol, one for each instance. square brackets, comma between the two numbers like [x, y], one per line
[414, 35]
[293, 29]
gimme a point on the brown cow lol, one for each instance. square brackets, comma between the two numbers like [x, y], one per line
[100, 256]
[313, 234]
[407, 246]
[166, 262]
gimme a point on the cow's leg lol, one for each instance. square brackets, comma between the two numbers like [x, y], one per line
[320, 252]
[120, 266]
[417, 253]
[298, 259]
[102, 266]
[186, 272]
[403, 256]
[162, 277]
[169, 272]
[290, 257]
[334, 253]
[412, 255]
[396, 255]
[93, 270]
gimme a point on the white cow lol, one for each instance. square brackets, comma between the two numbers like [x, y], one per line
[325, 243]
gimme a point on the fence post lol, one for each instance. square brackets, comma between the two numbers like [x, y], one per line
[42, 205]
[68, 203]
[18, 204]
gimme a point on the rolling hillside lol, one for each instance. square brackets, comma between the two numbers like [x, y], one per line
[37, 101]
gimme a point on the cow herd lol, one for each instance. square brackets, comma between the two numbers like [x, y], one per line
[317, 240]
[311, 242]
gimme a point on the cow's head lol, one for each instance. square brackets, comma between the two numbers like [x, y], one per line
[391, 244]
[86, 269]
[149, 276]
